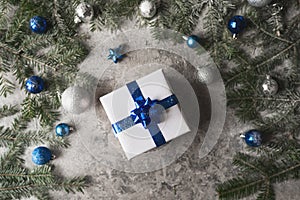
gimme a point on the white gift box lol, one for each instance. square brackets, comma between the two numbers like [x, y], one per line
[137, 139]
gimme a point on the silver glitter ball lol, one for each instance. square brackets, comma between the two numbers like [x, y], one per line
[269, 86]
[147, 9]
[83, 13]
[76, 100]
[259, 3]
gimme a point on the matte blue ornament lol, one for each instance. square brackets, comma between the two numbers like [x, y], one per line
[236, 25]
[253, 138]
[193, 41]
[38, 24]
[114, 54]
[41, 155]
[63, 129]
[34, 84]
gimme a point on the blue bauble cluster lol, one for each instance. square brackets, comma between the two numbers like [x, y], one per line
[34, 84]
[41, 155]
[38, 24]
[253, 138]
[236, 24]
[193, 41]
[62, 129]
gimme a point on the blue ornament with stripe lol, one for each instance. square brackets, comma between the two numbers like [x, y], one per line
[63, 129]
[34, 84]
[236, 25]
[41, 155]
[253, 138]
[148, 112]
[38, 24]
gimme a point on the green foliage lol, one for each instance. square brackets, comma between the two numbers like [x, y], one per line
[54, 56]
[258, 174]
[276, 116]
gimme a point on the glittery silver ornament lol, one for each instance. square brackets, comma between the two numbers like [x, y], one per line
[259, 3]
[147, 9]
[76, 99]
[207, 74]
[83, 13]
[269, 86]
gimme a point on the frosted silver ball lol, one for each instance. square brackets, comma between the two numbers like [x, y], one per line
[206, 75]
[76, 99]
[269, 86]
[259, 3]
[147, 9]
[83, 13]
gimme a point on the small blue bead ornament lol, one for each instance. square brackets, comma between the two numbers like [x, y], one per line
[252, 138]
[34, 84]
[236, 25]
[192, 41]
[114, 54]
[41, 155]
[38, 24]
[63, 129]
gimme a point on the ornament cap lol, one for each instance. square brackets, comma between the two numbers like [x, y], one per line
[185, 37]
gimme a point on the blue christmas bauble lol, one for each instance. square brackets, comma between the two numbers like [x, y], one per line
[253, 138]
[192, 41]
[34, 84]
[38, 24]
[41, 155]
[236, 24]
[62, 129]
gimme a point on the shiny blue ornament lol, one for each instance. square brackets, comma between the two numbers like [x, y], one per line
[192, 41]
[114, 54]
[62, 129]
[34, 84]
[38, 24]
[236, 24]
[253, 138]
[41, 155]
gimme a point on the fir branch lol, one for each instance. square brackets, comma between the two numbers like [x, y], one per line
[286, 166]
[6, 110]
[7, 136]
[12, 157]
[6, 86]
[263, 63]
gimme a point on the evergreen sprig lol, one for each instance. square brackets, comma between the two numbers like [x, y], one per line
[54, 56]
[258, 175]
[276, 116]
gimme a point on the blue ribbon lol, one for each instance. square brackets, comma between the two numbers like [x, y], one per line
[147, 112]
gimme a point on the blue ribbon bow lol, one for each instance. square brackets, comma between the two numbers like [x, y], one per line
[147, 112]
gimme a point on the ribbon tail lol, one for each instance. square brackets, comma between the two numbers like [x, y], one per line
[123, 124]
[156, 134]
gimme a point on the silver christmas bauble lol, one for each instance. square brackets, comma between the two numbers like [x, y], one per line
[147, 9]
[207, 74]
[259, 3]
[269, 86]
[83, 13]
[76, 99]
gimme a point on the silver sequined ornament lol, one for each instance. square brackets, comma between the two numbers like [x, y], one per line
[83, 13]
[259, 3]
[147, 9]
[76, 99]
[269, 86]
